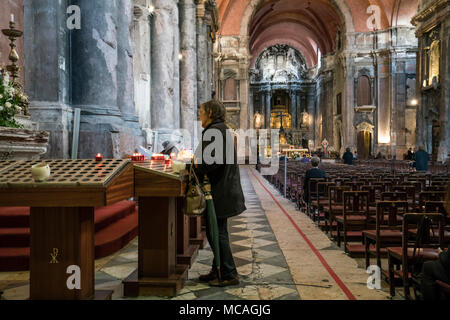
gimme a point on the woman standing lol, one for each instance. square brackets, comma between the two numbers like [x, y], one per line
[226, 189]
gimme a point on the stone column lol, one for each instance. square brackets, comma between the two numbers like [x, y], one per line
[384, 96]
[244, 101]
[132, 135]
[165, 78]
[94, 78]
[268, 108]
[142, 66]
[251, 110]
[188, 66]
[294, 109]
[202, 49]
[47, 71]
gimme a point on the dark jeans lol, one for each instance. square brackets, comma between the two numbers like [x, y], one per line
[227, 267]
[432, 271]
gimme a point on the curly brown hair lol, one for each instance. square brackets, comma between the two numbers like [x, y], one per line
[216, 109]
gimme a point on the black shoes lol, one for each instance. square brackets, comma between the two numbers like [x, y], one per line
[224, 282]
[212, 275]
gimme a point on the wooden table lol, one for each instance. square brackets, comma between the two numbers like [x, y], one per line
[159, 191]
[62, 219]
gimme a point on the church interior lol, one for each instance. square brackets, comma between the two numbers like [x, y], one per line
[92, 92]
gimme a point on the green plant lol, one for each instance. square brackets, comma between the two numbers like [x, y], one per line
[12, 101]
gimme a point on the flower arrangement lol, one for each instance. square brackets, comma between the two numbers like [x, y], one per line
[12, 101]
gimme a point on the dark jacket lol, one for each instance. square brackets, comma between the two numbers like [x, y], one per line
[348, 158]
[310, 174]
[225, 178]
[422, 159]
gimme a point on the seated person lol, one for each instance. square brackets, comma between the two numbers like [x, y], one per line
[348, 157]
[435, 270]
[304, 159]
[314, 172]
[421, 157]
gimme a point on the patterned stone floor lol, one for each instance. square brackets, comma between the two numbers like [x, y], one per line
[262, 267]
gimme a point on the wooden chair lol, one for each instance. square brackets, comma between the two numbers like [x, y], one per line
[410, 191]
[321, 200]
[394, 196]
[335, 207]
[388, 230]
[312, 185]
[427, 196]
[354, 218]
[413, 253]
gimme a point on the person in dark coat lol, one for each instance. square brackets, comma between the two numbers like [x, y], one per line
[226, 190]
[314, 172]
[410, 155]
[348, 157]
[169, 148]
[435, 270]
[421, 157]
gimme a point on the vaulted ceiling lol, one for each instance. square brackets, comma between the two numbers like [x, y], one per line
[307, 25]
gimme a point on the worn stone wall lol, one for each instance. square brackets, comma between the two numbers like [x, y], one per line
[433, 114]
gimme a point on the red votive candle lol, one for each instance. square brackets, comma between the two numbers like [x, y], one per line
[99, 157]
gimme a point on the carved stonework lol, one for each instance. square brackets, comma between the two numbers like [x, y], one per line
[280, 64]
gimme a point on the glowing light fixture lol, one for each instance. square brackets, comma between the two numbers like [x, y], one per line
[180, 56]
[414, 102]
[151, 9]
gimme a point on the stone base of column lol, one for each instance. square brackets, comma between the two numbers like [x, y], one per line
[104, 131]
[57, 118]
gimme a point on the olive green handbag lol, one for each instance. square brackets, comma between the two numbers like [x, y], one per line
[195, 202]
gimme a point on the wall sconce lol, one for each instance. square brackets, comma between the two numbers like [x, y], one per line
[150, 9]
[180, 56]
[414, 102]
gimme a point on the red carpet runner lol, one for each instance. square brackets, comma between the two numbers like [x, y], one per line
[336, 278]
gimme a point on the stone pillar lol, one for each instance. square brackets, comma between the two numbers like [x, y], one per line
[384, 108]
[244, 101]
[268, 96]
[94, 79]
[294, 109]
[142, 66]
[348, 103]
[251, 110]
[311, 110]
[47, 71]
[188, 65]
[202, 49]
[165, 74]
[132, 135]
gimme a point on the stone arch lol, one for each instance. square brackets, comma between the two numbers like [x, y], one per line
[340, 5]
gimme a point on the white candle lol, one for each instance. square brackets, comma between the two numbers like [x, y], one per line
[12, 17]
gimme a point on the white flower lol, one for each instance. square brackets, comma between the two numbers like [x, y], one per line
[1, 108]
[18, 108]
[8, 105]
[1, 96]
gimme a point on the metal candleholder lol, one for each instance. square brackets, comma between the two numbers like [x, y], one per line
[13, 69]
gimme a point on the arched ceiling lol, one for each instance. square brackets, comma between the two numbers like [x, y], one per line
[312, 24]
[307, 25]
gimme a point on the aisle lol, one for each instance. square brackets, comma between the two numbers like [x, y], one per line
[279, 252]
[320, 269]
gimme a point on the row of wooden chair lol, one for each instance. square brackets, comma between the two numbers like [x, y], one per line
[366, 209]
